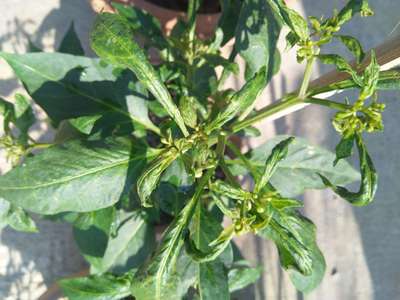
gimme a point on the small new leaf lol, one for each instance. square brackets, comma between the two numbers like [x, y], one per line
[294, 20]
[369, 179]
[240, 100]
[279, 152]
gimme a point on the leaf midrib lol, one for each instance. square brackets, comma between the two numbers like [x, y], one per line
[71, 178]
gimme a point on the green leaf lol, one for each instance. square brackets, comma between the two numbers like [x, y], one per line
[85, 124]
[241, 100]
[294, 236]
[142, 22]
[369, 179]
[341, 65]
[225, 189]
[149, 179]
[353, 45]
[161, 278]
[278, 153]
[71, 43]
[241, 275]
[111, 39]
[298, 171]
[293, 20]
[344, 149]
[229, 18]
[68, 87]
[285, 203]
[257, 34]
[99, 172]
[352, 8]
[129, 247]
[92, 237]
[19, 113]
[15, 217]
[187, 106]
[370, 78]
[213, 281]
[96, 287]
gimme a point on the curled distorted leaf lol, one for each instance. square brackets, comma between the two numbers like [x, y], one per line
[294, 20]
[353, 45]
[279, 152]
[187, 106]
[97, 287]
[149, 179]
[240, 100]
[341, 65]
[285, 203]
[216, 247]
[352, 8]
[371, 78]
[161, 276]
[225, 189]
[344, 149]
[295, 238]
[111, 39]
[369, 179]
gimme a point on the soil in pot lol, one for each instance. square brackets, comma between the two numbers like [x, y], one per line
[207, 7]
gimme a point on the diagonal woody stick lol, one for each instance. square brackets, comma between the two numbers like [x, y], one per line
[388, 56]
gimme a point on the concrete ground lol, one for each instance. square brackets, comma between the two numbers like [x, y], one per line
[361, 245]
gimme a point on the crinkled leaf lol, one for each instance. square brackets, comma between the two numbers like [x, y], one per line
[285, 203]
[371, 78]
[369, 179]
[353, 45]
[241, 100]
[298, 171]
[67, 86]
[279, 152]
[161, 278]
[257, 34]
[241, 275]
[293, 20]
[71, 43]
[111, 39]
[341, 65]
[294, 236]
[344, 149]
[225, 189]
[142, 22]
[352, 8]
[149, 179]
[187, 106]
[78, 176]
[96, 287]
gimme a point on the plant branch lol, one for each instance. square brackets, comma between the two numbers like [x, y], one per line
[307, 77]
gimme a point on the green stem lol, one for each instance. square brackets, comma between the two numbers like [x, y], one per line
[307, 78]
[327, 103]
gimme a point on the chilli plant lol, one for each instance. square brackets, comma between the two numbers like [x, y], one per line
[146, 163]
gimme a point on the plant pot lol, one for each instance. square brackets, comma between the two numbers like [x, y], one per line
[206, 23]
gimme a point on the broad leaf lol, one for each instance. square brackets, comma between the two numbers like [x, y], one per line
[78, 176]
[85, 124]
[132, 243]
[294, 236]
[229, 18]
[241, 275]
[92, 234]
[111, 39]
[67, 86]
[353, 45]
[257, 35]
[71, 43]
[96, 287]
[299, 170]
